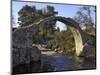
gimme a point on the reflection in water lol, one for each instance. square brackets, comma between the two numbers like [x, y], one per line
[65, 63]
[60, 63]
[56, 63]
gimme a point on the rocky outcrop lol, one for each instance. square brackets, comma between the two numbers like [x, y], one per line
[25, 55]
[22, 50]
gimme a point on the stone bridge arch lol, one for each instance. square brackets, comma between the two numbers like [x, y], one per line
[26, 33]
[75, 29]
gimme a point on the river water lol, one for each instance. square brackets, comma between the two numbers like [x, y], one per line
[56, 63]
[68, 63]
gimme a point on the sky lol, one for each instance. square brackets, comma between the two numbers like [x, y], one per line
[64, 10]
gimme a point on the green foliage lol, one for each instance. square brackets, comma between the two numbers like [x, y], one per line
[29, 14]
[63, 40]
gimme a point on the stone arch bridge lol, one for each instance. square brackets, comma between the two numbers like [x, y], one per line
[22, 37]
